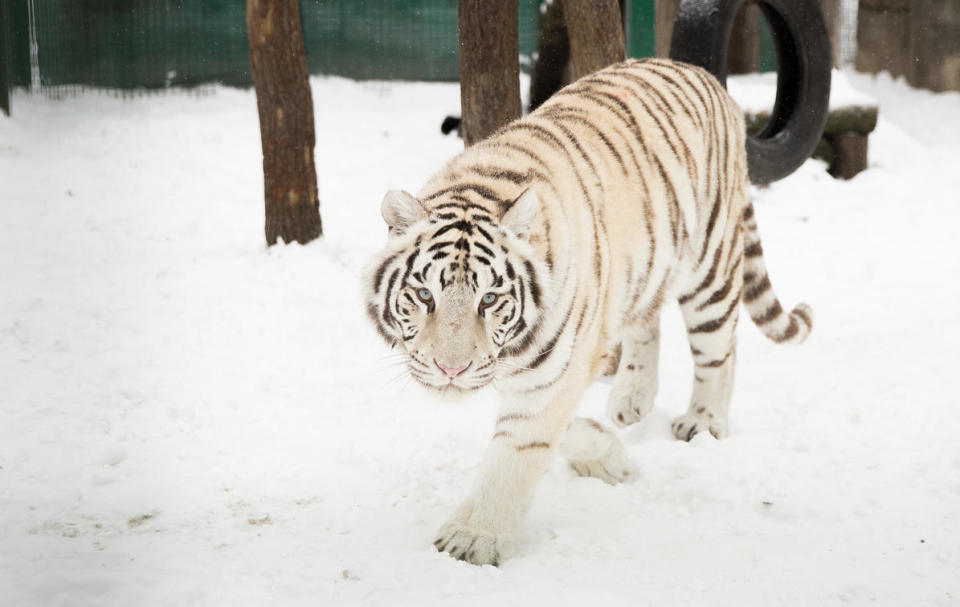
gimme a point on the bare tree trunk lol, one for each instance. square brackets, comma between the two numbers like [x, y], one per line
[831, 17]
[883, 36]
[743, 54]
[489, 66]
[553, 53]
[665, 11]
[919, 39]
[596, 34]
[279, 66]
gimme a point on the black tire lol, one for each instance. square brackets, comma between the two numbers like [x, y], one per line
[701, 36]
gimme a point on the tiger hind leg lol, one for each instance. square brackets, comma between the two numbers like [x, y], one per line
[710, 315]
[593, 450]
[635, 384]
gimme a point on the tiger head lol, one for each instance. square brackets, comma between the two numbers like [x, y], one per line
[456, 288]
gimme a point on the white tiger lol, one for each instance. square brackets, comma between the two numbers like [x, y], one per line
[536, 256]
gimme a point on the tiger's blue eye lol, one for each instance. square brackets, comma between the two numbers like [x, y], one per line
[425, 295]
[488, 299]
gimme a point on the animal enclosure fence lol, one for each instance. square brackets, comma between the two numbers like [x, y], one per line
[57, 46]
[153, 44]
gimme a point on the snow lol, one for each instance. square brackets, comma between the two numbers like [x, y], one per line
[756, 92]
[188, 417]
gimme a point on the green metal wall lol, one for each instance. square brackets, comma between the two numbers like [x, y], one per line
[407, 40]
[20, 44]
[640, 34]
[128, 44]
[140, 43]
[158, 43]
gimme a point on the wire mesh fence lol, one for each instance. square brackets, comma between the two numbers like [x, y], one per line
[61, 45]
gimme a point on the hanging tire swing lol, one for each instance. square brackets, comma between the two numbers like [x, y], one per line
[701, 36]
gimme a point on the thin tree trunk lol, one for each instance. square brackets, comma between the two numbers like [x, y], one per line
[279, 66]
[553, 53]
[743, 54]
[489, 66]
[831, 16]
[665, 11]
[596, 34]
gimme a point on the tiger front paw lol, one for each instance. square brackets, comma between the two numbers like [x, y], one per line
[592, 450]
[475, 546]
[689, 425]
[628, 404]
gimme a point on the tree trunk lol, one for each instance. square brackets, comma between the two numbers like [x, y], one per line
[553, 53]
[279, 66]
[883, 36]
[831, 17]
[489, 66]
[935, 44]
[596, 34]
[743, 55]
[665, 11]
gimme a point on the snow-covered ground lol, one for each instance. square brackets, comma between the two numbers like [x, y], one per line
[190, 418]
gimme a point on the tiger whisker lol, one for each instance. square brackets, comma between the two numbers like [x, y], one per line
[405, 384]
[397, 378]
[390, 358]
[394, 365]
[540, 353]
[512, 366]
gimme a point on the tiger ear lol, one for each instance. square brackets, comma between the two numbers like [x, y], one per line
[401, 210]
[519, 217]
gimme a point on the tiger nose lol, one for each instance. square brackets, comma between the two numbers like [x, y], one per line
[451, 371]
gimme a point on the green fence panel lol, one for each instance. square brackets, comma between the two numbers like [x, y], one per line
[19, 43]
[140, 43]
[398, 39]
[641, 37]
[415, 39]
[5, 57]
[768, 52]
[128, 44]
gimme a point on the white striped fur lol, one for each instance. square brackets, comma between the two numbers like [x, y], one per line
[535, 256]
